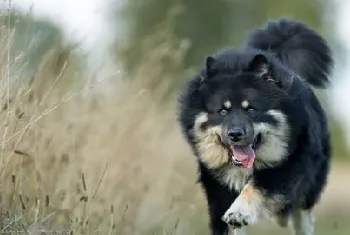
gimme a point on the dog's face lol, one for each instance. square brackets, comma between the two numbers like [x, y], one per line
[241, 120]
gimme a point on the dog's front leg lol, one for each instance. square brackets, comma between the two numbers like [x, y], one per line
[250, 206]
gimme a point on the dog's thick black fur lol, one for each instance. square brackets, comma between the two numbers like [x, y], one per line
[258, 131]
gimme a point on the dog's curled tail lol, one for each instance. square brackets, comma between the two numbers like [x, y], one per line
[297, 46]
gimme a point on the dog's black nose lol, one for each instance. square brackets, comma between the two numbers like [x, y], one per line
[236, 134]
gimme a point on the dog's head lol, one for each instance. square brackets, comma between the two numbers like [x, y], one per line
[238, 117]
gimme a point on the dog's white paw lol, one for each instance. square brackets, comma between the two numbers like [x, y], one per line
[241, 213]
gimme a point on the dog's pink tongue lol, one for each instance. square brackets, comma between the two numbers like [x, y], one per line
[245, 154]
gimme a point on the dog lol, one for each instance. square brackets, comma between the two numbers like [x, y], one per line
[257, 129]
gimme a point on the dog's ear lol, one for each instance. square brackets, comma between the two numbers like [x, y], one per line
[261, 67]
[209, 62]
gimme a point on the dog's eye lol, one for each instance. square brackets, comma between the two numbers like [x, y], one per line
[250, 109]
[223, 112]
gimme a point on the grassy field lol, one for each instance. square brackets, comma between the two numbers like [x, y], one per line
[107, 157]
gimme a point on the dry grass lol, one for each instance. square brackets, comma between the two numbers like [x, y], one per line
[104, 157]
[73, 157]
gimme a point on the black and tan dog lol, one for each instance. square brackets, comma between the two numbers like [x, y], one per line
[259, 133]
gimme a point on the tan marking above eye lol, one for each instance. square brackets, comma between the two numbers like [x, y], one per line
[227, 104]
[245, 104]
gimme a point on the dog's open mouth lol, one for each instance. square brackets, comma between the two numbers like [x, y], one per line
[244, 156]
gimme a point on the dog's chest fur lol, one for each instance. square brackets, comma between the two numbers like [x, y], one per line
[234, 178]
